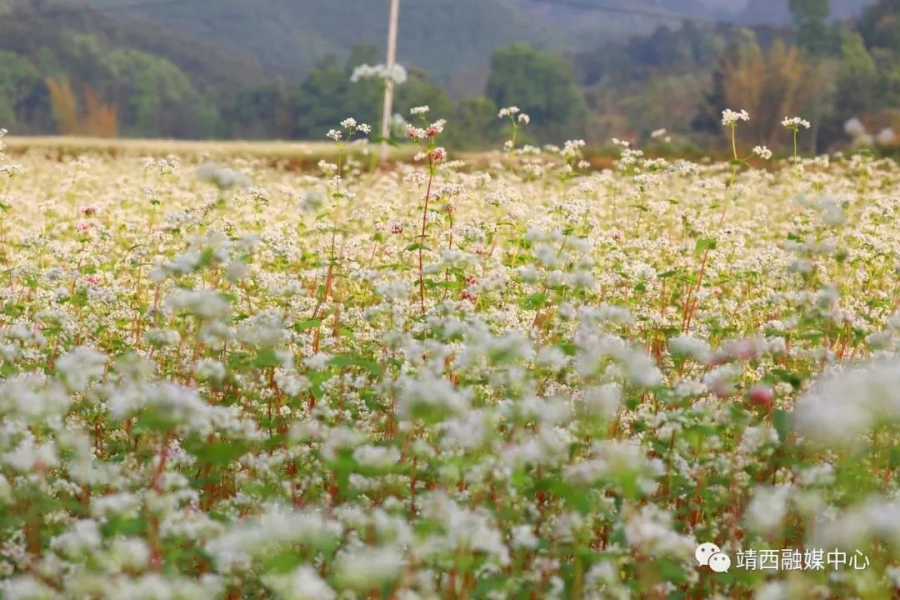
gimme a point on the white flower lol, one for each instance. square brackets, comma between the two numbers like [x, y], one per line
[650, 531]
[25, 587]
[27, 456]
[318, 361]
[795, 123]
[523, 538]
[685, 346]
[551, 357]
[730, 118]
[720, 381]
[508, 112]
[79, 365]
[762, 152]
[223, 177]
[83, 537]
[303, 583]
[419, 110]
[396, 73]
[855, 128]
[832, 210]
[312, 200]
[376, 456]
[620, 463]
[210, 369]
[203, 304]
[768, 508]
[428, 394]
[603, 401]
[846, 404]
[886, 137]
[369, 568]
[275, 528]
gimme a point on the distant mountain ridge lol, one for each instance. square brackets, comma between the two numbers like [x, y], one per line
[451, 39]
[776, 11]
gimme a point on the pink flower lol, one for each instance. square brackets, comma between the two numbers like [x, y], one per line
[762, 396]
[746, 349]
[81, 226]
[415, 133]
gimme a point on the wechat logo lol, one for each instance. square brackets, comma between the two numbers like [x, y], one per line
[710, 555]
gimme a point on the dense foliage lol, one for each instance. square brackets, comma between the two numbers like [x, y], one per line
[681, 80]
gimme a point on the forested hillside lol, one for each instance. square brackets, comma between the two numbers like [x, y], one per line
[451, 39]
[157, 81]
[283, 69]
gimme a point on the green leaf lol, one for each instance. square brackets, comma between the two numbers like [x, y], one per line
[573, 497]
[345, 360]
[266, 358]
[534, 301]
[220, 453]
[706, 244]
[306, 325]
[783, 421]
[781, 375]
[895, 457]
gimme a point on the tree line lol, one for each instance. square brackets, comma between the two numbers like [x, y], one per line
[107, 78]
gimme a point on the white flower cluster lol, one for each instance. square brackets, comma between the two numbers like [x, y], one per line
[795, 123]
[396, 73]
[521, 377]
[731, 118]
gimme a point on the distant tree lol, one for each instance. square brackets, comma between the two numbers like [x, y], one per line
[20, 82]
[156, 97]
[65, 106]
[543, 85]
[857, 78]
[708, 117]
[769, 85]
[262, 112]
[814, 34]
[327, 95]
[93, 117]
[474, 124]
[100, 119]
[880, 26]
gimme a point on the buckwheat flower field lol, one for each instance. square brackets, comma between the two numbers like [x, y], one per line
[527, 379]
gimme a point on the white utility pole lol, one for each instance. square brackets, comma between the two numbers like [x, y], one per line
[389, 81]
